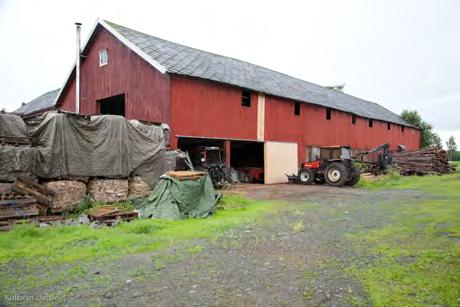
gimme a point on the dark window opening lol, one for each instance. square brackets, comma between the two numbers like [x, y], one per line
[246, 99]
[402, 128]
[371, 123]
[328, 114]
[353, 119]
[114, 105]
[297, 108]
[388, 126]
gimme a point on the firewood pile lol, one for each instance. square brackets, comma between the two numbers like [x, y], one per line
[422, 162]
[108, 189]
[138, 188]
[25, 200]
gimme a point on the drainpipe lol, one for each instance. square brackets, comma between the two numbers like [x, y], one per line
[77, 70]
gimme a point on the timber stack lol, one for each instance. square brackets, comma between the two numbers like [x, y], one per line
[425, 161]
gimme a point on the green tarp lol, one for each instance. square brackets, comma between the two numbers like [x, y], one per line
[178, 199]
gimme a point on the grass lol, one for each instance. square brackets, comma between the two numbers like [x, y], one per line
[65, 244]
[417, 254]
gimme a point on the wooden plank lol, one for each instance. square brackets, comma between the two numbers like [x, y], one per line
[18, 213]
[17, 202]
[186, 175]
[40, 193]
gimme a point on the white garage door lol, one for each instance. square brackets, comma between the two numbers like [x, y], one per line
[279, 159]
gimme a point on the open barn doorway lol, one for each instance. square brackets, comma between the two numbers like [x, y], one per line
[245, 158]
[196, 146]
[114, 105]
[247, 161]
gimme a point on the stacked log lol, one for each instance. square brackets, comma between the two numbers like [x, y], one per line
[138, 188]
[108, 190]
[422, 162]
[67, 194]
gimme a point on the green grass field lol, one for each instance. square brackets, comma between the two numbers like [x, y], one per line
[66, 244]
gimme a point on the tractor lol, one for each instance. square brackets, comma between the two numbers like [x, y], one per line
[209, 159]
[333, 165]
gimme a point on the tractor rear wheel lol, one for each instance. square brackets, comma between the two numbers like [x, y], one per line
[354, 175]
[306, 176]
[336, 174]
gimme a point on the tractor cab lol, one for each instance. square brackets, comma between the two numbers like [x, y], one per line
[322, 155]
[208, 156]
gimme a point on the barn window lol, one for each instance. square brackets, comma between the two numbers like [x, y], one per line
[371, 123]
[103, 57]
[328, 114]
[246, 98]
[297, 108]
[353, 119]
[402, 128]
[388, 126]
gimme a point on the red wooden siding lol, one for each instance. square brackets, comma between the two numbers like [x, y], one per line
[312, 128]
[146, 89]
[205, 109]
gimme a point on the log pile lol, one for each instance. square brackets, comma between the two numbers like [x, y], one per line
[67, 194]
[422, 162]
[138, 188]
[109, 190]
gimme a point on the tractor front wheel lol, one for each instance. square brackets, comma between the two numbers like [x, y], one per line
[306, 176]
[336, 174]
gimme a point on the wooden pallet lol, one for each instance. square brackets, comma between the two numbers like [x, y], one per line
[186, 175]
[18, 208]
[109, 215]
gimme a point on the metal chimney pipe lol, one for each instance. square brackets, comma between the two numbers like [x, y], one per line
[77, 70]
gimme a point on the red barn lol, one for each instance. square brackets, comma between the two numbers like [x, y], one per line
[260, 117]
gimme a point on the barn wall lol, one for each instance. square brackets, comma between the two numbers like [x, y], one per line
[146, 89]
[312, 128]
[205, 109]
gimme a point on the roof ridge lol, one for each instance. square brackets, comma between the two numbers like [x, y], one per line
[332, 91]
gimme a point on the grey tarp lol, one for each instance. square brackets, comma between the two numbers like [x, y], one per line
[13, 126]
[102, 146]
[176, 199]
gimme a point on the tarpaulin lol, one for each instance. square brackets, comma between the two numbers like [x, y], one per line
[100, 146]
[177, 199]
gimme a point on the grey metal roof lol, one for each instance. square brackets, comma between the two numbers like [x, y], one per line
[45, 101]
[187, 61]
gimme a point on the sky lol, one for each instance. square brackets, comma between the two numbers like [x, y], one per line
[400, 54]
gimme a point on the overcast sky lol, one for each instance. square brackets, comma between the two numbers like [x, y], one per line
[400, 54]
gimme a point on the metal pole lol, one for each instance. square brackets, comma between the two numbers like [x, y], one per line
[77, 70]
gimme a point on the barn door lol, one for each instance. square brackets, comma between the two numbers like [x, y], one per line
[280, 158]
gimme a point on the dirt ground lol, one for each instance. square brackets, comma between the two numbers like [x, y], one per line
[287, 259]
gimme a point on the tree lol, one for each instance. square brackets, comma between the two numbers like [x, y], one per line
[427, 136]
[338, 87]
[436, 140]
[451, 147]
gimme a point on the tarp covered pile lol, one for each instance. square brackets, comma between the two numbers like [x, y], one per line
[177, 199]
[100, 146]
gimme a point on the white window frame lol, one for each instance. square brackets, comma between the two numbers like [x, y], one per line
[103, 52]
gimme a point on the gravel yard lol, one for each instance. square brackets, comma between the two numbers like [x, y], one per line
[322, 246]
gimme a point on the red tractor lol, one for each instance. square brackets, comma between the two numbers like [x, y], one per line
[333, 165]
